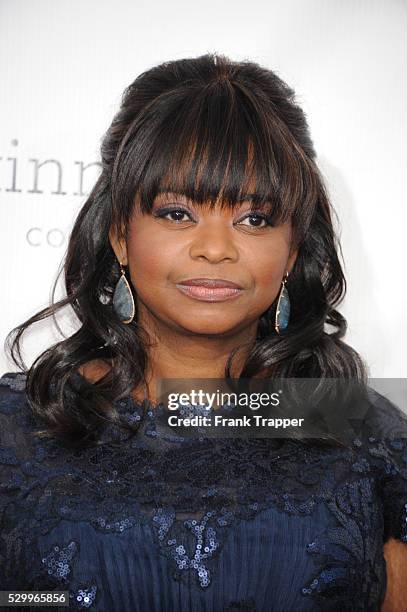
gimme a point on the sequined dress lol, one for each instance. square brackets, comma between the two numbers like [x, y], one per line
[165, 523]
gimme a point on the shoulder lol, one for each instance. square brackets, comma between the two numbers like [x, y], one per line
[17, 420]
[94, 370]
[17, 424]
[384, 435]
[385, 419]
[385, 444]
[12, 392]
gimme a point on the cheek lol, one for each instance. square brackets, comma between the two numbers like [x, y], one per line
[268, 266]
[149, 262]
[143, 261]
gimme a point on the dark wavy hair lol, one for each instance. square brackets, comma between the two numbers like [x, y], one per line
[189, 125]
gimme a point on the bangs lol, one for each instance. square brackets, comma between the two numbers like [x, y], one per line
[217, 145]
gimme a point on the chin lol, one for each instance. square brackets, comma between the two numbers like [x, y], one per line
[206, 328]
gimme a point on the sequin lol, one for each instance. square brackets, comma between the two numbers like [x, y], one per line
[205, 538]
[85, 598]
[57, 561]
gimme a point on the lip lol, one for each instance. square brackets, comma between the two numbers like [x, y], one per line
[209, 294]
[211, 283]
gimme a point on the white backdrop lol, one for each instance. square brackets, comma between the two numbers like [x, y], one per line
[65, 63]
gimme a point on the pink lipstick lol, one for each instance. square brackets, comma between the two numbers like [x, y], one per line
[210, 289]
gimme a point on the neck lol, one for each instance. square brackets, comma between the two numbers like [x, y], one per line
[173, 355]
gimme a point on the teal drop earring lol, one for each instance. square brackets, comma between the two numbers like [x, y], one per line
[283, 307]
[123, 302]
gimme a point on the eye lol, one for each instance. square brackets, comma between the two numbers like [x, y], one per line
[177, 212]
[258, 217]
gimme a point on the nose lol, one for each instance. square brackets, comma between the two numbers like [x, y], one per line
[214, 241]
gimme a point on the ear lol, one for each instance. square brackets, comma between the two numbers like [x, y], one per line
[119, 246]
[291, 260]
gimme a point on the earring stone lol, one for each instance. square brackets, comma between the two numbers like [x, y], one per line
[123, 302]
[283, 308]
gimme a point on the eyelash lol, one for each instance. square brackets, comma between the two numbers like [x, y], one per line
[162, 212]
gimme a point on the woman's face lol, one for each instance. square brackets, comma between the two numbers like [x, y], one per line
[165, 248]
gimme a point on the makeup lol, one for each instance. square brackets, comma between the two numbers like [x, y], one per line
[210, 294]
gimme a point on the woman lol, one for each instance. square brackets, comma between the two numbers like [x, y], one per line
[208, 172]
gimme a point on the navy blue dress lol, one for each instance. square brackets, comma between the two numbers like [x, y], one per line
[164, 523]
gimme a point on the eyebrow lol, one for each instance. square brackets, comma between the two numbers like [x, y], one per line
[246, 197]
